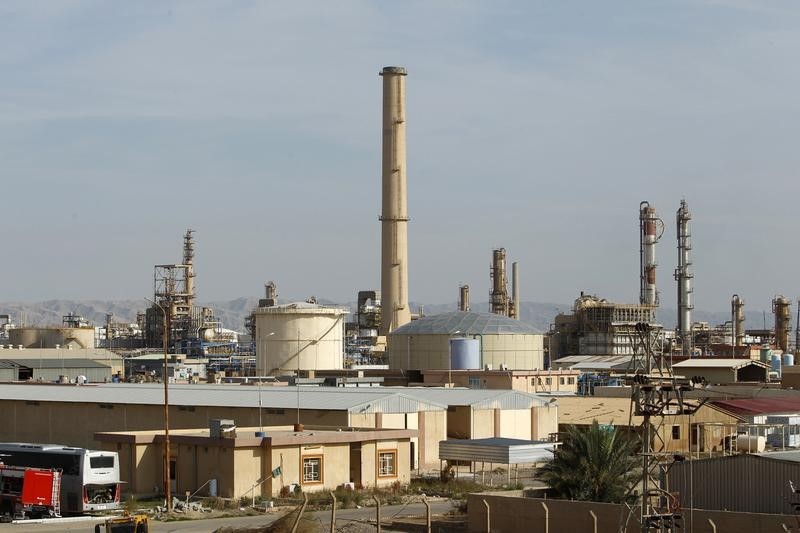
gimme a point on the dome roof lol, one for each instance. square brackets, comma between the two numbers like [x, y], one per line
[466, 323]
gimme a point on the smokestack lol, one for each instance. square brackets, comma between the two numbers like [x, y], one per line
[649, 235]
[783, 321]
[394, 213]
[737, 319]
[463, 298]
[499, 295]
[515, 289]
[683, 275]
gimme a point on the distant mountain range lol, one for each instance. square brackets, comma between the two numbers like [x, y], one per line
[232, 312]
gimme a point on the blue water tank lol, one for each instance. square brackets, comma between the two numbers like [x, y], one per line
[465, 354]
[788, 359]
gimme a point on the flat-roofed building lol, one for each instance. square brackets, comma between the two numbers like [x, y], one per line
[717, 371]
[314, 459]
[532, 381]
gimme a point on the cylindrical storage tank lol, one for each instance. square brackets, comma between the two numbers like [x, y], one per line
[299, 336]
[50, 337]
[765, 355]
[465, 354]
[775, 363]
[751, 443]
[788, 359]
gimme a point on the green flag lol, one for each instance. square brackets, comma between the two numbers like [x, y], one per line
[277, 472]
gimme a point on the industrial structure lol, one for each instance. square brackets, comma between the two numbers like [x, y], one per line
[191, 329]
[395, 311]
[299, 336]
[781, 308]
[684, 277]
[599, 327]
[500, 303]
[466, 340]
[75, 332]
[737, 320]
[463, 297]
[650, 230]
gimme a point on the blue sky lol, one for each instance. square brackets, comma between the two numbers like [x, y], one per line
[537, 126]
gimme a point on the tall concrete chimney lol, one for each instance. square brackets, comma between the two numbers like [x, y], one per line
[463, 298]
[394, 213]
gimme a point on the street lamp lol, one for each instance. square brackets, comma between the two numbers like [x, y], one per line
[450, 357]
[165, 336]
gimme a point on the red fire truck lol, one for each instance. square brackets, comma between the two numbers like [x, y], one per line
[29, 492]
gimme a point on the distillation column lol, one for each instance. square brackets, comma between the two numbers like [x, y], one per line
[737, 320]
[498, 298]
[649, 234]
[783, 321]
[683, 275]
[188, 262]
[394, 213]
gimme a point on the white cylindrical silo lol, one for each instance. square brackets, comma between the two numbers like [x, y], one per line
[788, 359]
[465, 354]
[775, 363]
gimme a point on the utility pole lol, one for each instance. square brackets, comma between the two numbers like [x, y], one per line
[655, 393]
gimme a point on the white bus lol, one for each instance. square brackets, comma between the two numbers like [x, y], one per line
[89, 479]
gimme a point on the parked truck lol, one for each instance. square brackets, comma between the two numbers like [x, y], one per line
[29, 492]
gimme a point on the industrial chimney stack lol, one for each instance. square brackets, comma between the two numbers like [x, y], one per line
[781, 306]
[515, 304]
[394, 213]
[463, 298]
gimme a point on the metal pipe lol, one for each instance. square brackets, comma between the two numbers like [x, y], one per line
[394, 212]
[377, 513]
[488, 517]
[594, 521]
[300, 513]
[427, 515]
[546, 517]
[515, 289]
[333, 512]
[165, 337]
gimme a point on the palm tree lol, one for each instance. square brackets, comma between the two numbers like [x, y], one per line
[595, 464]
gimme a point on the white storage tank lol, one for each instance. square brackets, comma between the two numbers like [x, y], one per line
[775, 364]
[788, 359]
[465, 354]
[751, 443]
[299, 335]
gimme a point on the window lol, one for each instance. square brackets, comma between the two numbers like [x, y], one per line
[571, 381]
[474, 383]
[676, 432]
[101, 461]
[387, 464]
[548, 381]
[312, 469]
[561, 381]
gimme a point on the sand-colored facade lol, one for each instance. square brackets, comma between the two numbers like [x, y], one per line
[313, 459]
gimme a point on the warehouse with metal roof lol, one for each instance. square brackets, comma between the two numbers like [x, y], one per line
[487, 339]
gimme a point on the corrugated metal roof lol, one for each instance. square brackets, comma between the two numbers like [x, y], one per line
[475, 398]
[374, 400]
[57, 363]
[466, 323]
[4, 363]
[760, 406]
[788, 455]
[733, 364]
[496, 450]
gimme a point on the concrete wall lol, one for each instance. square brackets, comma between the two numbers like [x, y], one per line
[511, 512]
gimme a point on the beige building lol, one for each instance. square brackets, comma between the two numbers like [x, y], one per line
[48, 413]
[532, 381]
[720, 371]
[314, 459]
[703, 431]
[49, 364]
[499, 343]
